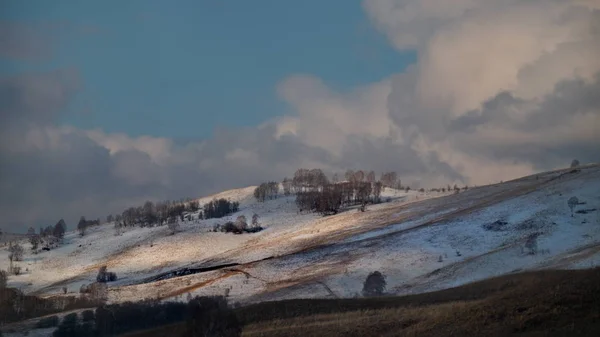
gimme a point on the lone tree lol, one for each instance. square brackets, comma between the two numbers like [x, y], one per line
[16, 252]
[531, 244]
[374, 284]
[574, 163]
[173, 225]
[241, 224]
[255, 218]
[572, 202]
[35, 242]
[59, 229]
[82, 225]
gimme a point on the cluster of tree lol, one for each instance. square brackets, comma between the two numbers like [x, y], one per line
[71, 326]
[390, 179]
[219, 208]
[240, 225]
[308, 180]
[49, 235]
[151, 214]
[268, 190]
[204, 316]
[83, 224]
[315, 193]
[16, 306]
[449, 188]
[105, 276]
[57, 231]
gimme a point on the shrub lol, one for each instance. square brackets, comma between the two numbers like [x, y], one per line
[374, 284]
[47, 322]
[87, 315]
[574, 163]
[230, 227]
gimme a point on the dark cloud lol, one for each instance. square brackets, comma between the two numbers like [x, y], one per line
[36, 98]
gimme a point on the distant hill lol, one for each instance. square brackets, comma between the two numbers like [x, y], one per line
[421, 241]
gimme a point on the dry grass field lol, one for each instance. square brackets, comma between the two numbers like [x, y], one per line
[542, 303]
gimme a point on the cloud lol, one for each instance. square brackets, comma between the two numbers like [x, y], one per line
[500, 89]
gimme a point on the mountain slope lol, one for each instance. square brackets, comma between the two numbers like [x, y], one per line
[420, 241]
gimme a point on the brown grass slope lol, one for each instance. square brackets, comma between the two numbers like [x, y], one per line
[541, 303]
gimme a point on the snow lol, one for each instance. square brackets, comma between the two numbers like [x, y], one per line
[306, 255]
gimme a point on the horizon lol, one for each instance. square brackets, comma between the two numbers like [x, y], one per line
[103, 109]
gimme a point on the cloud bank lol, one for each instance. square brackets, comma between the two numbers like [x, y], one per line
[500, 89]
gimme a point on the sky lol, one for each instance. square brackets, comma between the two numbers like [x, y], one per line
[104, 105]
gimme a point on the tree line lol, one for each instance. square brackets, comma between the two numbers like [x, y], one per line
[171, 212]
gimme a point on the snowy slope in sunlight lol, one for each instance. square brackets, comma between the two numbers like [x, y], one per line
[419, 241]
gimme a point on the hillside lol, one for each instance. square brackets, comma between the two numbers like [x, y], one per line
[420, 241]
[540, 303]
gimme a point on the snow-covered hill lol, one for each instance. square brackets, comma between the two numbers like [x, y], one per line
[419, 241]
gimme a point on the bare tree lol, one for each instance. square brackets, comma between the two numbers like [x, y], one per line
[349, 175]
[82, 226]
[377, 192]
[59, 229]
[287, 186]
[35, 242]
[173, 225]
[16, 252]
[241, 224]
[371, 177]
[572, 202]
[359, 176]
[255, 218]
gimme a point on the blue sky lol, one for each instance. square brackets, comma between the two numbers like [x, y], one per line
[181, 69]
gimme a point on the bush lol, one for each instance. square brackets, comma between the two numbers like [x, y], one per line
[68, 327]
[87, 315]
[230, 227]
[47, 322]
[374, 284]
